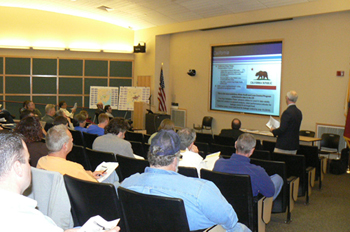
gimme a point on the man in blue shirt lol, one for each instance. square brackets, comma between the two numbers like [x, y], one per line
[81, 119]
[239, 163]
[99, 129]
[204, 204]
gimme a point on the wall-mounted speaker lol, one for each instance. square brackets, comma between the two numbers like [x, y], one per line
[192, 72]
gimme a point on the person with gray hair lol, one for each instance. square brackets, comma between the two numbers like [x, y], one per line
[239, 163]
[204, 204]
[288, 132]
[50, 111]
[18, 212]
[59, 142]
[189, 151]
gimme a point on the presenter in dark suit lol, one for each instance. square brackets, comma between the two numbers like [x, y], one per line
[288, 132]
[235, 132]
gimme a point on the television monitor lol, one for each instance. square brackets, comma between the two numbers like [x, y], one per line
[246, 78]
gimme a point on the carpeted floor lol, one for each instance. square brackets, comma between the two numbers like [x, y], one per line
[328, 211]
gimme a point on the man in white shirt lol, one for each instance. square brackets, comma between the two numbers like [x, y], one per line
[18, 213]
[189, 151]
[63, 107]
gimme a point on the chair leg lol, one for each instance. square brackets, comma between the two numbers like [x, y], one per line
[289, 217]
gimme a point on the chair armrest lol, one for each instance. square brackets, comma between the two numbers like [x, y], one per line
[293, 183]
[267, 209]
[311, 173]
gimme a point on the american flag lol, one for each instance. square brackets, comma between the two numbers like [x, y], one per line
[161, 93]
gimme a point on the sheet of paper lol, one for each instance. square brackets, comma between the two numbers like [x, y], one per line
[108, 168]
[98, 224]
[273, 123]
[139, 157]
[211, 159]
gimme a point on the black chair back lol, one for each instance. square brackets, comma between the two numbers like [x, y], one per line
[269, 146]
[89, 139]
[153, 213]
[188, 171]
[146, 138]
[207, 122]
[137, 148]
[77, 137]
[261, 154]
[129, 166]
[204, 148]
[225, 150]
[204, 138]
[78, 155]
[330, 140]
[295, 167]
[307, 133]
[237, 190]
[89, 199]
[222, 140]
[134, 136]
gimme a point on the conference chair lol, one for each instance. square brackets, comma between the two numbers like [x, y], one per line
[261, 154]
[237, 190]
[314, 160]
[134, 136]
[146, 138]
[340, 166]
[48, 189]
[78, 155]
[137, 148]
[145, 212]
[296, 166]
[188, 171]
[204, 138]
[204, 148]
[329, 145]
[225, 150]
[206, 124]
[146, 149]
[129, 166]
[307, 133]
[222, 140]
[89, 139]
[77, 137]
[289, 192]
[97, 157]
[89, 199]
[269, 146]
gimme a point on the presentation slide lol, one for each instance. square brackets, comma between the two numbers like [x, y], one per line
[247, 78]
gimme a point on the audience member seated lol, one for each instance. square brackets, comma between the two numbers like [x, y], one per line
[86, 114]
[239, 163]
[113, 140]
[28, 108]
[59, 120]
[32, 132]
[99, 129]
[63, 107]
[50, 112]
[108, 111]
[204, 204]
[82, 122]
[99, 109]
[19, 213]
[235, 132]
[6, 114]
[189, 151]
[165, 124]
[59, 142]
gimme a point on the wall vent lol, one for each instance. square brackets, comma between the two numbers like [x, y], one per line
[178, 116]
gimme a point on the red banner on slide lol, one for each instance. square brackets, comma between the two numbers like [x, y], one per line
[261, 87]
